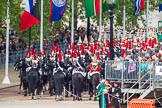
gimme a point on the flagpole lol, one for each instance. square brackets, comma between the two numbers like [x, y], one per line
[147, 19]
[72, 24]
[88, 26]
[6, 78]
[41, 27]
[124, 19]
[29, 37]
[100, 21]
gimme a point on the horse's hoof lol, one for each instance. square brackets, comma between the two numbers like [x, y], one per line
[57, 99]
[79, 99]
[74, 99]
[94, 99]
[41, 94]
[25, 94]
[18, 92]
[30, 97]
[61, 98]
[90, 98]
[34, 97]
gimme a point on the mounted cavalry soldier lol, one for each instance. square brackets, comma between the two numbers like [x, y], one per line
[94, 67]
[78, 79]
[59, 76]
[94, 76]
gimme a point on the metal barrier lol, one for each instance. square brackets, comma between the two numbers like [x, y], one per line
[135, 77]
[127, 71]
[13, 56]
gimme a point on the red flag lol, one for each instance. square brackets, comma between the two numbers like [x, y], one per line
[97, 6]
[30, 16]
[27, 20]
[142, 4]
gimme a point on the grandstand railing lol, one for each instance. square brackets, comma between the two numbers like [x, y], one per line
[142, 79]
[121, 71]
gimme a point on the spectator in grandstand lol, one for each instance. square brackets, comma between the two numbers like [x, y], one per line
[143, 69]
[2, 48]
[117, 67]
[132, 70]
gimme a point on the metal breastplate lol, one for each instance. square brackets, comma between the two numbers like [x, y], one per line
[94, 67]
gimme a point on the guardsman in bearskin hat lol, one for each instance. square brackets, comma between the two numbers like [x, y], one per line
[94, 67]
[117, 94]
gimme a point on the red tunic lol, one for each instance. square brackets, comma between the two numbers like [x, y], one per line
[126, 44]
[123, 53]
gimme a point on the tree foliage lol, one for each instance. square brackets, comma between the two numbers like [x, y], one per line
[51, 28]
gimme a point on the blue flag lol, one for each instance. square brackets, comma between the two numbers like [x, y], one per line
[57, 9]
[160, 5]
[139, 5]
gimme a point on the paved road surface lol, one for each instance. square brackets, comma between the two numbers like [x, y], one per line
[45, 104]
[10, 99]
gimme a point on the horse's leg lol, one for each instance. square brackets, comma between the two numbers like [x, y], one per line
[66, 87]
[51, 88]
[74, 90]
[34, 94]
[39, 89]
[90, 91]
[29, 92]
[71, 88]
[25, 86]
[56, 88]
[94, 93]
[20, 86]
[61, 87]
[36, 89]
[79, 91]
[74, 93]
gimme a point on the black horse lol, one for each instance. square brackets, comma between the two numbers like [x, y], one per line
[78, 80]
[59, 80]
[21, 66]
[93, 83]
[33, 81]
[68, 79]
[77, 84]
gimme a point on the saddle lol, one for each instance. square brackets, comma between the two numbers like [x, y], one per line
[96, 72]
[76, 70]
[55, 70]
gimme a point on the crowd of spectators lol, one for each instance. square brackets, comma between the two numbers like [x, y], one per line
[15, 44]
